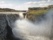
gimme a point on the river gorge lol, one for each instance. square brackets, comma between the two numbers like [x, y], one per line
[15, 26]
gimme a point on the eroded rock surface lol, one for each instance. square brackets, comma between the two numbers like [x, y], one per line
[5, 26]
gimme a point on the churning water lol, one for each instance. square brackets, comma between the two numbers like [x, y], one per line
[27, 30]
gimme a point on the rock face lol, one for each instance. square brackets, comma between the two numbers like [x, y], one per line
[3, 30]
[35, 17]
[11, 18]
[5, 26]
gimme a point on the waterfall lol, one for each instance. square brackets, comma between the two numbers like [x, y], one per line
[27, 30]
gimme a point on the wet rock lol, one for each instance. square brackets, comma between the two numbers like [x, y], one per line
[5, 26]
[37, 18]
[11, 18]
[3, 30]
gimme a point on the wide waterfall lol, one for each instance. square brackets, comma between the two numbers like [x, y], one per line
[27, 30]
[19, 27]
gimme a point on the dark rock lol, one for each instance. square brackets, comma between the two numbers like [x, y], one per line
[11, 18]
[6, 26]
[3, 30]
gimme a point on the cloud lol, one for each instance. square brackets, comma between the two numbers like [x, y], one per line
[5, 5]
[47, 0]
[26, 5]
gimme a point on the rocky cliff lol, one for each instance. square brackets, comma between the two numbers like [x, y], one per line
[5, 26]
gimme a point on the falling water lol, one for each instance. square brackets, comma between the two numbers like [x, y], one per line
[27, 30]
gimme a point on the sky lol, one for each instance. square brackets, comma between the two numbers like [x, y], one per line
[24, 4]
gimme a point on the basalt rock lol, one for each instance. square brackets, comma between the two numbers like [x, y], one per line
[3, 30]
[5, 26]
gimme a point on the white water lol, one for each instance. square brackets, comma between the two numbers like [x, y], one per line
[27, 30]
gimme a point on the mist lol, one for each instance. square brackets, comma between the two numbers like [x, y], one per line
[27, 30]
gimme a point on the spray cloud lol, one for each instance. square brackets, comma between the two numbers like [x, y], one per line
[34, 31]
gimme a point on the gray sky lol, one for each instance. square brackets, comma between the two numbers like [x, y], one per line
[24, 4]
